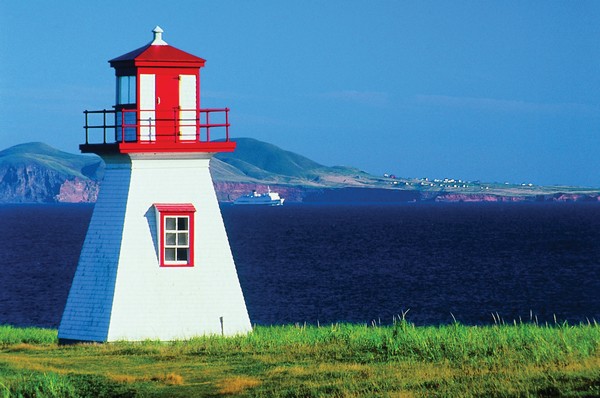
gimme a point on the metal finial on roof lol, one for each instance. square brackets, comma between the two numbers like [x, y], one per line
[158, 41]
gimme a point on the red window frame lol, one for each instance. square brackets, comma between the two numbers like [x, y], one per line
[165, 210]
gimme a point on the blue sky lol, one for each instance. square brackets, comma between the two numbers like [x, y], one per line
[477, 90]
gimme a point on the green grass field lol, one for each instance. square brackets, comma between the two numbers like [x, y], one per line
[518, 360]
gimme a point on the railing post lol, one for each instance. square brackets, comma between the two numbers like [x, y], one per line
[86, 124]
[122, 125]
[227, 124]
[207, 126]
[176, 134]
[138, 125]
[115, 125]
[104, 125]
[198, 122]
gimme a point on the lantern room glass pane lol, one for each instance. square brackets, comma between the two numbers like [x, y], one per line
[127, 126]
[126, 90]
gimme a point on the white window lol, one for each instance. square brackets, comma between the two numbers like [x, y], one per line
[177, 239]
[176, 234]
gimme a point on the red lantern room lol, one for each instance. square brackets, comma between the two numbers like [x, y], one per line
[157, 106]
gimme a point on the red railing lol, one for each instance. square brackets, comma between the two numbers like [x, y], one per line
[138, 125]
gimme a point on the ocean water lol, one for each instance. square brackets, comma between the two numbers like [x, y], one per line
[351, 263]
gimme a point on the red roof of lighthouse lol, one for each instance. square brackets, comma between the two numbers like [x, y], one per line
[157, 53]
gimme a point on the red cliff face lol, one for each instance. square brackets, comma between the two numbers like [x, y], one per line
[28, 183]
[77, 191]
[564, 197]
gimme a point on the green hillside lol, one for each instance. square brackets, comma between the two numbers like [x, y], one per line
[259, 162]
[254, 156]
[43, 155]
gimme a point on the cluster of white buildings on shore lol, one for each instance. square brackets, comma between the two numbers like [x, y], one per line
[445, 182]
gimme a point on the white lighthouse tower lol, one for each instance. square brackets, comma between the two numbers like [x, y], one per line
[156, 261]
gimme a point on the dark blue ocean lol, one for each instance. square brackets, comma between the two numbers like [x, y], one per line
[351, 263]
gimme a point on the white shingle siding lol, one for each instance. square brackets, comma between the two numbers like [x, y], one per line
[87, 312]
[120, 292]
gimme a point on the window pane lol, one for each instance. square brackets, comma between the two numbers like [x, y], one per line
[170, 238]
[182, 239]
[130, 126]
[132, 90]
[170, 223]
[169, 254]
[182, 254]
[122, 88]
[182, 223]
[126, 89]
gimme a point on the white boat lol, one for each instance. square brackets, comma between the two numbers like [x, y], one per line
[255, 198]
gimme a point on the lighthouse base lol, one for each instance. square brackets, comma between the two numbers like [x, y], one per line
[125, 287]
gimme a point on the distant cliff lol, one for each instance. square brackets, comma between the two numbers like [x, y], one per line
[550, 197]
[36, 172]
[29, 183]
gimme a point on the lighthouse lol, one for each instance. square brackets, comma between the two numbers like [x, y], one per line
[156, 261]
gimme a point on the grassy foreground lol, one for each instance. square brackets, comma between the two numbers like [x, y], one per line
[304, 361]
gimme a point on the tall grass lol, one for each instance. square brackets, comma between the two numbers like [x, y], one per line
[521, 359]
[11, 335]
[53, 385]
[404, 341]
